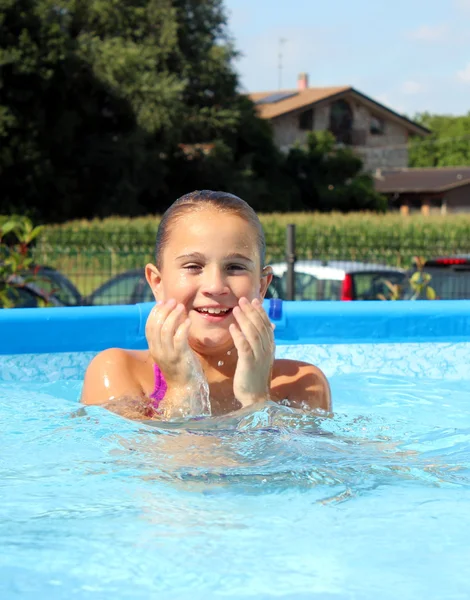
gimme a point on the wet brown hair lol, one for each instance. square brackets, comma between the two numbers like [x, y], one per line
[222, 201]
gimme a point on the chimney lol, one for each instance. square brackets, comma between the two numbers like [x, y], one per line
[302, 82]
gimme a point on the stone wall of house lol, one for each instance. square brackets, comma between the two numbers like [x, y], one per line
[287, 132]
[380, 158]
[387, 150]
[321, 118]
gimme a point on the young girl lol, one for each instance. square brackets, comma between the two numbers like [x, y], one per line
[211, 344]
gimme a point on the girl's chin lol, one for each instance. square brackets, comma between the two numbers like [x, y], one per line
[211, 341]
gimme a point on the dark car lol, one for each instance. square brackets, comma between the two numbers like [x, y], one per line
[129, 287]
[43, 286]
[447, 276]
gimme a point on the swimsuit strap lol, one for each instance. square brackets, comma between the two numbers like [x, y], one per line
[160, 387]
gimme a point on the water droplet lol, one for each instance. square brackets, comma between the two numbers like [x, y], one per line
[220, 363]
[229, 353]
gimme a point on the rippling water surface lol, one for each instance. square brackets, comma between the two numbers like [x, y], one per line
[371, 503]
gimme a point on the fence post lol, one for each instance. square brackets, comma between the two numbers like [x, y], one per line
[290, 259]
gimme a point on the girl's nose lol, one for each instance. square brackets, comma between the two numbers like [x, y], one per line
[214, 281]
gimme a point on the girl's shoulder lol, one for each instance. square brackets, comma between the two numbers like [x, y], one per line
[115, 372]
[300, 382]
[118, 358]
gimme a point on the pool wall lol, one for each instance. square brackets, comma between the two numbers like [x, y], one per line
[96, 328]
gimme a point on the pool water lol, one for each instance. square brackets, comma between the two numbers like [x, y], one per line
[372, 503]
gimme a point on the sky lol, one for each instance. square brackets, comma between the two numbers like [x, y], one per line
[411, 55]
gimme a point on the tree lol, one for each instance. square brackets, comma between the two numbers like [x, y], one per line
[73, 142]
[448, 144]
[330, 177]
[97, 98]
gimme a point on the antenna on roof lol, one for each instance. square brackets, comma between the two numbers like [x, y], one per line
[280, 56]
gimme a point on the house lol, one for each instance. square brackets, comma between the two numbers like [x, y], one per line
[443, 189]
[376, 132]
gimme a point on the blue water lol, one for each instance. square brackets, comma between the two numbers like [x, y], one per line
[372, 503]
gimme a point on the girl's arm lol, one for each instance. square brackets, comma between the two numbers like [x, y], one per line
[110, 382]
[302, 384]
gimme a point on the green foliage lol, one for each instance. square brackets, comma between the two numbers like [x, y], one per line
[329, 178]
[16, 236]
[448, 144]
[97, 95]
[120, 106]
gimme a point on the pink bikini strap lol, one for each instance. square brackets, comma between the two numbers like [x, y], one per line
[160, 386]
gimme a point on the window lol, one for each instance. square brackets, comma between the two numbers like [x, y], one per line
[373, 285]
[341, 121]
[377, 126]
[306, 120]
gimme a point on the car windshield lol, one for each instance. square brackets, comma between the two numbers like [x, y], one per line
[53, 283]
[448, 284]
[376, 286]
[126, 288]
[309, 287]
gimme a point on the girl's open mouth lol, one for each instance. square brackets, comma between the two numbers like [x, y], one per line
[214, 314]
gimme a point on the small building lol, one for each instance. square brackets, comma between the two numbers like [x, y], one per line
[377, 133]
[436, 189]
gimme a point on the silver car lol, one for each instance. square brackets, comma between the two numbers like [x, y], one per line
[336, 280]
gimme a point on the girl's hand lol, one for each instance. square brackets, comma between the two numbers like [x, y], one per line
[253, 337]
[167, 332]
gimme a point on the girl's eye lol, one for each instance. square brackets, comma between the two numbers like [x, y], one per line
[236, 268]
[230, 268]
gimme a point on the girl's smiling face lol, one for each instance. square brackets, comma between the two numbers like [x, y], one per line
[210, 261]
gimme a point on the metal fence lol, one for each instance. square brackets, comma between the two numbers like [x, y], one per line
[92, 259]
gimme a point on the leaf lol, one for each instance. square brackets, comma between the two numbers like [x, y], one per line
[8, 227]
[35, 232]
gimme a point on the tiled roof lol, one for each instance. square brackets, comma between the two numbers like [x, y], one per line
[431, 180]
[296, 101]
[302, 99]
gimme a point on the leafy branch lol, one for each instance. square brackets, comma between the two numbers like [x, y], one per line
[17, 233]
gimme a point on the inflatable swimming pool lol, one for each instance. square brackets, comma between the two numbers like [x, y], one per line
[372, 503]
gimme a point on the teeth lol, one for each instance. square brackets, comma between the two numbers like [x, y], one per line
[214, 311]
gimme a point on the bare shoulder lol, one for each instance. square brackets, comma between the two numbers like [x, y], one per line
[112, 374]
[301, 383]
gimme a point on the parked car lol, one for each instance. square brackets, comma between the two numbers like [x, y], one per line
[315, 280]
[44, 285]
[129, 287]
[450, 277]
[337, 280]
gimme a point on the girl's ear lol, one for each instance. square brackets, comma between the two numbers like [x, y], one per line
[154, 279]
[266, 278]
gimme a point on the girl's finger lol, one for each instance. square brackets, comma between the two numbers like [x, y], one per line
[240, 342]
[158, 315]
[251, 310]
[249, 330]
[174, 319]
[268, 325]
[259, 318]
[181, 334]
